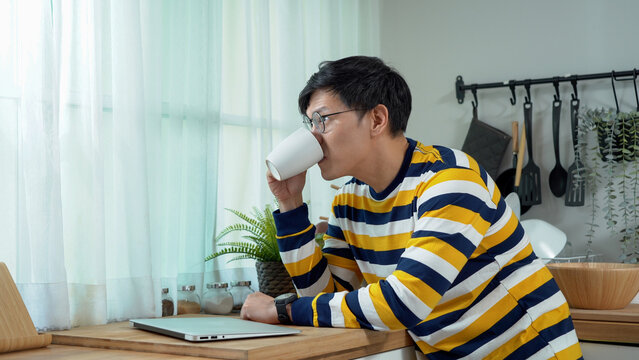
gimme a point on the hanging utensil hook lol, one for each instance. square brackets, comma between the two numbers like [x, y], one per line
[513, 99]
[473, 89]
[634, 82]
[527, 86]
[614, 91]
[575, 94]
[555, 83]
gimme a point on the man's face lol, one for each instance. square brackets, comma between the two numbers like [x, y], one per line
[345, 138]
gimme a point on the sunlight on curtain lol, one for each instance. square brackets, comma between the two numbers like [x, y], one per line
[126, 127]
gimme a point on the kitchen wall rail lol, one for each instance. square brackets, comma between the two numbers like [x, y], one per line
[461, 88]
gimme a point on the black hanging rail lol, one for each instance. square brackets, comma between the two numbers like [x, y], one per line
[461, 88]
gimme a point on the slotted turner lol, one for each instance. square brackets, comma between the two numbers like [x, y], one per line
[530, 187]
[575, 190]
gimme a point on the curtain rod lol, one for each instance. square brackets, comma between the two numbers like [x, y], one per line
[460, 88]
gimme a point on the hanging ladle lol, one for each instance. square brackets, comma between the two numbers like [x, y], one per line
[558, 176]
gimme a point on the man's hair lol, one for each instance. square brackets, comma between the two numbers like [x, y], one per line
[362, 82]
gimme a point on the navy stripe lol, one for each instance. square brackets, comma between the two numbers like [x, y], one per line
[494, 331]
[302, 311]
[548, 289]
[443, 355]
[423, 272]
[324, 310]
[561, 328]
[473, 266]
[385, 257]
[528, 349]
[429, 327]
[403, 314]
[353, 304]
[457, 240]
[343, 282]
[464, 200]
[305, 280]
[508, 270]
[296, 242]
[364, 216]
[418, 169]
[341, 252]
[335, 231]
[507, 244]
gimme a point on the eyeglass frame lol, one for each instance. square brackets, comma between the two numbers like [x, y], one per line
[310, 122]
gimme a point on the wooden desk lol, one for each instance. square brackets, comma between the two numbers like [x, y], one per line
[324, 343]
[619, 326]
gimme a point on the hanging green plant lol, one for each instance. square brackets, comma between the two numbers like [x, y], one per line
[612, 167]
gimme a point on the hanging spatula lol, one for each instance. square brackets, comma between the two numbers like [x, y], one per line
[530, 187]
[575, 190]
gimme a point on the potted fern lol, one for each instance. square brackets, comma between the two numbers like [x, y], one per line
[260, 244]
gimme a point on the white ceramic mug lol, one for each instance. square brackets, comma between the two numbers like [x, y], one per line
[295, 154]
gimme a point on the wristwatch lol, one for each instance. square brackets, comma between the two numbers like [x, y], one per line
[280, 305]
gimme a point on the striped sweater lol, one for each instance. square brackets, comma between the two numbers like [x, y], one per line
[438, 253]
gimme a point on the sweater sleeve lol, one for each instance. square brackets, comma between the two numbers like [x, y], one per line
[312, 269]
[454, 212]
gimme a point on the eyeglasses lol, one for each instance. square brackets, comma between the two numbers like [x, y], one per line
[317, 120]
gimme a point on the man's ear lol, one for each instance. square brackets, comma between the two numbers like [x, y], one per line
[379, 119]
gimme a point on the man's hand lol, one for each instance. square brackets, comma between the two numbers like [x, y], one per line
[288, 192]
[261, 307]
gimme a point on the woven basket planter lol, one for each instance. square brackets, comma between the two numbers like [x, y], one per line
[273, 278]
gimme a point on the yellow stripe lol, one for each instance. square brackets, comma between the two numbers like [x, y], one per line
[531, 283]
[498, 237]
[460, 215]
[425, 293]
[378, 243]
[480, 325]
[472, 164]
[456, 174]
[425, 348]
[383, 310]
[342, 262]
[314, 306]
[570, 353]
[372, 278]
[458, 303]
[551, 317]
[297, 233]
[365, 203]
[444, 250]
[350, 321]
[426, 154]
[305, 265]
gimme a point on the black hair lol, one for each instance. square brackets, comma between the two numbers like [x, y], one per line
[362, 82]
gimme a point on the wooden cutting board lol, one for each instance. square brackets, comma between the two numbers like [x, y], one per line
[16, 328]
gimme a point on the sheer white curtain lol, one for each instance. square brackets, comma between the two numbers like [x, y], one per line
[126, 127]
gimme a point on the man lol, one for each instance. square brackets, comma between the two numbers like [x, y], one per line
[424, 226]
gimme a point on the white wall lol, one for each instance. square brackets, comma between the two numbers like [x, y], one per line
[431, 42]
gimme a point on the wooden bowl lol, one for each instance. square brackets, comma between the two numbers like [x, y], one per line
[597, 285]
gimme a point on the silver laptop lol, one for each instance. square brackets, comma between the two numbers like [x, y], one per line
[210, 328]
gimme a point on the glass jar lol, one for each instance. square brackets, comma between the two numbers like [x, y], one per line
[167, 303]
[217, 299]
[188, 300]
[240, 290]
